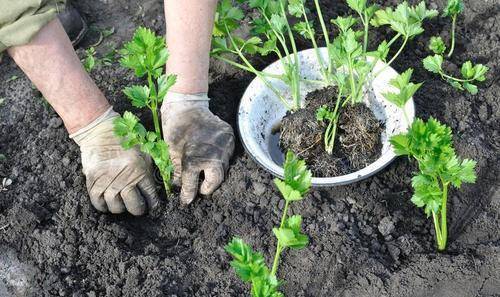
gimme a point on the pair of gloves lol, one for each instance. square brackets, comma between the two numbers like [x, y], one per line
[120, 180]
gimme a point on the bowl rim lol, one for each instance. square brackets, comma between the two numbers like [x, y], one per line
[385, 158]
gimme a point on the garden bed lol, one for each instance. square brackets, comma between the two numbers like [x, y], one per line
[367, 239]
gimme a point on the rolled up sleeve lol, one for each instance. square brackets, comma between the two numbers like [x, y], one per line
[20, 20]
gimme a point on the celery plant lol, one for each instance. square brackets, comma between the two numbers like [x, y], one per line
[471, 74]
[430, 144]
[250, 266]
[452, 10]
[146, 54]
[270, 33]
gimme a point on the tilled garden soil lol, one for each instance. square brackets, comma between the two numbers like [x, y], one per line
[367, 239]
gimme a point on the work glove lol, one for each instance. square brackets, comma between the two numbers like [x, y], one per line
[199, 141]
[118, 180]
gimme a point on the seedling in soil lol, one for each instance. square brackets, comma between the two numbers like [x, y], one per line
[452, 10]
[430, 143]
[146, 54]
[90, 60]
[406, 90]
[471, 74]
[250, 266]
[436, 45]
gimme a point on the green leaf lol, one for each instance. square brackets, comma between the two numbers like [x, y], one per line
[350, 44]
[357, 5]
[145, 53]
[165, 82]
[324, 113]
[247, 264]
[268, 46]
[427, 193]
[437, 45]
[129, 128]
[278, 22]
[467, 171]
[400, 144]
[406, 20]
[406, 89]
[297, 180]
[90, 61]
[433, 63]
[455, 84]
[467, 70]
[304, 29]
[250, 267]
[290, 234]
[138, 95]
[471, 88]
[480, 72]
[296, 7]
[383, 50]
[344, 23]
[453, 8]
[227, 18]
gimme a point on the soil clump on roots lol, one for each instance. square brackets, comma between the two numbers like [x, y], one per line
[357, 141]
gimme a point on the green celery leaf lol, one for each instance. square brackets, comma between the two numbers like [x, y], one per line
[453, 7]
[437, 45]
[433, 63]
[138, 95]
[471, 88]
[297, 180]
[165, 82]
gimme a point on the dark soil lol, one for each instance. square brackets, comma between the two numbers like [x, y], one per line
[367, 239]
[358, 138]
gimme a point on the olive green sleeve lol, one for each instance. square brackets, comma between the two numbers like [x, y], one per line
[20, 20]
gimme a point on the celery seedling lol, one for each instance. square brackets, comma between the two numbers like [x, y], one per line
[250, 266]
[405, 20]
[146, 54]
[452, 10]
[471, 74]
[405, 88]
[90, 60]
[436, 45]
[430, 143]
[270, 30]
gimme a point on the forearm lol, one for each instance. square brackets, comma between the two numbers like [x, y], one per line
[53, 66]
[189, 31]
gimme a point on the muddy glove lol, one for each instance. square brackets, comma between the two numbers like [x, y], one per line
[118, 180]
[199, 142]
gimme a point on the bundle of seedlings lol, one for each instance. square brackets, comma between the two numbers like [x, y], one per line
[147, 54]
[430, 144]
[250, 266]
[334, 113]
[471, 74]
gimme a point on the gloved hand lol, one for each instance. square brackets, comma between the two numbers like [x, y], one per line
[118, 180]
[199, 141]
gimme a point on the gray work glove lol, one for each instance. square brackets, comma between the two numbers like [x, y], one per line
[199, 141]
[118, 180]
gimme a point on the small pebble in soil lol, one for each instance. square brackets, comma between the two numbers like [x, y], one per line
[66, 161]
[386, 226]
[218, 217]
[259, 188]
[55, 122]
